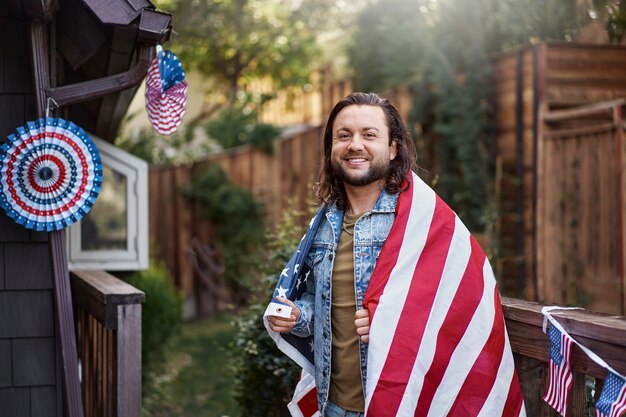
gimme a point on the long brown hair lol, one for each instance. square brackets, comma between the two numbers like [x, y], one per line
[329, 188]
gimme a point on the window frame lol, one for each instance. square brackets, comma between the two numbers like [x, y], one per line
[136, 256]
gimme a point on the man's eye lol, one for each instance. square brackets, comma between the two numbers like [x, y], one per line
[344, 136]
[370, 135]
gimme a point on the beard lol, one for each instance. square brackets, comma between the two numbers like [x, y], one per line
[378, 171]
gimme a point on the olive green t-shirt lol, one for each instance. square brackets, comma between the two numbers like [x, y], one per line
[346, 388]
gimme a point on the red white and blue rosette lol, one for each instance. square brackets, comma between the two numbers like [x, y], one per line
[50, 174]
[166, 92]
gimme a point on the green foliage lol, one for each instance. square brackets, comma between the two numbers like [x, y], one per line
[442, 50]
[160, 318]
[238, 40]
[237, 125]
[390, 26]
[239, 227]
[193, 382]
[153, 148]
[266, 377]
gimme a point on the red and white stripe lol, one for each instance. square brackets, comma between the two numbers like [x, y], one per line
[619, 407]
[560, 378]
[304, 401]
[165, 109]
[438, 345]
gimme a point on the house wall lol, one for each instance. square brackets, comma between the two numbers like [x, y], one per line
[30, 372]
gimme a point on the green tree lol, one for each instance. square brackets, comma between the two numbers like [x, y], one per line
[239, 40]
[441, 50]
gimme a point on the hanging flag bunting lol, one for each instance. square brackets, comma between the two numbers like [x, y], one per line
[166, 92]
[560, 373]
[50, 174]
[612, 400]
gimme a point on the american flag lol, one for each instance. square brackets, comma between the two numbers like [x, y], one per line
[304, 402]
[560, 373]
[612, 401]
[166, 92]
[438, 345]
[292, 284]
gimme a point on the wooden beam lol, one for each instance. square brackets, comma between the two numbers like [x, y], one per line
[100, 294]
[579, 131]
[618, 120]
[605, 106]
[62, 294]
[88, 90]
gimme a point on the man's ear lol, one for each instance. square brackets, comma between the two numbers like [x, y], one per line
[393, 150]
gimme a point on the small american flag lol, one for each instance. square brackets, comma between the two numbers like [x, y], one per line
[560, 373]
[166, 92]
[612, 401]
[438, 345]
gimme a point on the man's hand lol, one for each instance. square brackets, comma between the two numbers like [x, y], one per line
[362, 322]
[281, 324]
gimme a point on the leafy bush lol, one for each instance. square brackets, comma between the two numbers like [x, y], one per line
[160, 317]
[266, 377]
[239, 227]
[237, 125]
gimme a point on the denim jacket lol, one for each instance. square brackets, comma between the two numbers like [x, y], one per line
[370, 233]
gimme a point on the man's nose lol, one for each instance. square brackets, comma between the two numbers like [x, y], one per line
[356, 143]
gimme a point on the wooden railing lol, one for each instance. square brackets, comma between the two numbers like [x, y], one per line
[605, 335]
[108, 334]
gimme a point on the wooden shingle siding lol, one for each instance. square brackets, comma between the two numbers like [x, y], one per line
[33, 362]
[9, 231]
[6, 372]
[26, 314]
[1, 264]
[30, 372]
[33, 275]
[43, 402]
[15, 402]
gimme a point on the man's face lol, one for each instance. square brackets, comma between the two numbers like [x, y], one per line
[361, 153]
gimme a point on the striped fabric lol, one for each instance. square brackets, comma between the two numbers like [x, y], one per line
[560, 373]
[612, 401]
[438, 344]
[166, 93]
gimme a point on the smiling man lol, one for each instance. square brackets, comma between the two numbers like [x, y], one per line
[384, 249]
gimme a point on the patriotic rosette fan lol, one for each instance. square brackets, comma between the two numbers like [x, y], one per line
[50, 174]
[166, 92]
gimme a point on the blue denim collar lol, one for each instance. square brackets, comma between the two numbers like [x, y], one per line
[386, 203]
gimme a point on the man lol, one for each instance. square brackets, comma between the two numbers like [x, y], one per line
[374, 206]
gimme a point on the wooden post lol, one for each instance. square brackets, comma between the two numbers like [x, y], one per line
[621, 157]
[111, 343]
[62, 293]
[129, 360]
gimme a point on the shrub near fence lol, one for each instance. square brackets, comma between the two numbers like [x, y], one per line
[274, 179]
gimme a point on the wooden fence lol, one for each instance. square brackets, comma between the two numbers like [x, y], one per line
[529, 84]
[581, 235]
[178, 233]
[108, 321]
[552, 192]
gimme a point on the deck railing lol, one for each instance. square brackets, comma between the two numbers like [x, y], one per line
[108, 334]
[604, 334]
[108, 313]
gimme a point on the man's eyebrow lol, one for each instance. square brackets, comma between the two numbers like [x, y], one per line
[362, 129]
